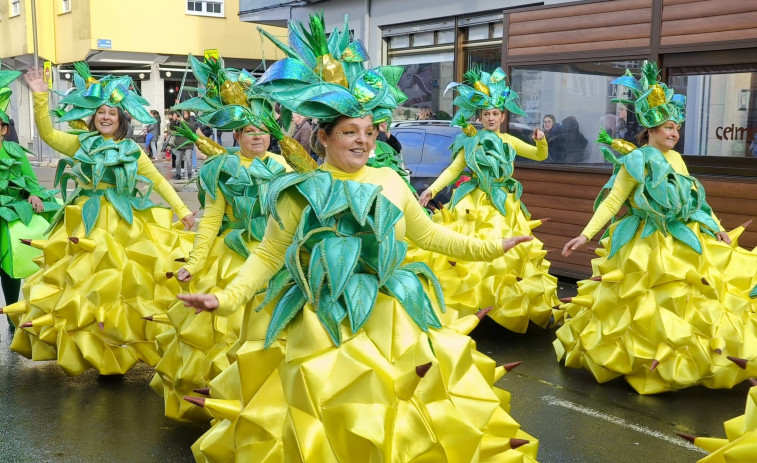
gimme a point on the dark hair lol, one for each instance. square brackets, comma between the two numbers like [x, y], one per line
[551, 116]
[123, 124]
[315, 142]
[642, 138]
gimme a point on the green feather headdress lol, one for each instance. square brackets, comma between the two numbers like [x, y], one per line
[6, 77]
[480, 91]
[90, 93]
[654, 103]
[326, 77]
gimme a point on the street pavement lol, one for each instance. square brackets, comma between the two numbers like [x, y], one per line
[50, 417]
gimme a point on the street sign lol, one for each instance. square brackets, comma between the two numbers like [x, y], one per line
[104, 43]
[48, 74]
[211, 53]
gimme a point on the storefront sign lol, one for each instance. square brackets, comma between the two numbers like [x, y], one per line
[731, 132]
[104, 43]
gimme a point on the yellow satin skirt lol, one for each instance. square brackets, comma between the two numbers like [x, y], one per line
[740, 444]
[390, 393]
[517, 286]
[664, 316]
[194, 349]
[87, 302]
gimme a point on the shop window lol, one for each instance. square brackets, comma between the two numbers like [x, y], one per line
[487, 59]
[424, 80]
[205, 8]
[577, 96]
[721, 112]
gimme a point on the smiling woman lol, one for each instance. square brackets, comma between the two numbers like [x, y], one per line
[110, 122]
[345, 142]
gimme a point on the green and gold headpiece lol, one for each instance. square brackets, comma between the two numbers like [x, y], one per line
[90, 93]
[654, 103]
[480, 91]
[326, 77]
[6, 77]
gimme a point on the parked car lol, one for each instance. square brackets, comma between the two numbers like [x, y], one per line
[426, 150]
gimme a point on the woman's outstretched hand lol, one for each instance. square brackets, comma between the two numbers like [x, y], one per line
[201, 302]
[34, 79]
[574, 244]
[509, 243]
[723, 236]
[425, 197]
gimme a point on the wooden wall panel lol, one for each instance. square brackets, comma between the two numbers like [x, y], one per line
[618, 24]
[567, 199]
[686, 22]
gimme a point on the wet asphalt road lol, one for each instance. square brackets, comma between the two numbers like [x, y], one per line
[47, 416]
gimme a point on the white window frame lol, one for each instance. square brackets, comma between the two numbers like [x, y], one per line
[204, 6]
[65, 6]
[15, 8]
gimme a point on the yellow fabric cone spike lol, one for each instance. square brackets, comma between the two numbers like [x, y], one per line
[710, 444]
[226, 409]
[613, 276]
[16, 308]
[44, 320]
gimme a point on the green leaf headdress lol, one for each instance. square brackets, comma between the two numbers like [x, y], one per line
[654, 103]
[480, 91]
[91, 93]
[326, 77]
[6, 77]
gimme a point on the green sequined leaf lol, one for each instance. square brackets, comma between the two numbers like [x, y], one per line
[682, 233]
[361, 197]
[235, 241]
[62, 164]
[316, 188]
[386, 215]
[391, 255]
[331, 312]
[408, 290]
[360, 297]
[649, 228]
[121, 204]
[90, 211]
[423, 269]
[293, 264]
[634, 163]
[258, 226]
[498, 197]
[624, 231]
[317, 271]
[288, 306]
[705, 219]
[209, 174]
[340, 257]
[281, 281]
[462, 191]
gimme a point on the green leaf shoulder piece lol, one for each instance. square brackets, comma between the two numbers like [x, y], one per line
[343, 253]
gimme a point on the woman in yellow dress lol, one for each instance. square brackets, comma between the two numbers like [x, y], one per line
[518, 286]
[668, 303]
[232, 187]
[109, 249]
[348, 359]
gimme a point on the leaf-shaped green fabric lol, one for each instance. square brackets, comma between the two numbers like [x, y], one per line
[293, 264]
[121, 204]
[209, 174]
[62, 164]
[408, 290]
[288, 306]
[462, 191]
[317, 271]
[317, 188]
[499, 199]
[359, 298]
[682, 233]
[340, 257]
[331, 312]
[423, 269]
[235, 241]
[8, 214]
[257, 227]
[24, 210]
[277, 186]
[649, 228]
[336, 204]
[281, 281]
[753, 292]
[705, 219]
[624, 231]
[634, 164]
[90, 211]
[391, 254]
[386, 216]
[361, 197]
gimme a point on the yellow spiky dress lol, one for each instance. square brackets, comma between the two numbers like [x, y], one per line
[517, 286]
[194, 350]
[366, 371]
[105, 262]
[668, 303]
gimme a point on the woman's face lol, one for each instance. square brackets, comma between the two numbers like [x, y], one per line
[349, 144]
[492, 119]
[548, 124]
[664, 137]
[253, 142]
[106, 120]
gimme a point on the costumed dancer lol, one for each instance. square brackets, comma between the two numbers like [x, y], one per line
[232, 187]
[517, 286]
[110, 247]
[668, 302]
[25, 206]
[351, 360]
[740, 444]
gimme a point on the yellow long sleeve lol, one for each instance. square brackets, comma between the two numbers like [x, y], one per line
[207, 231]
[451, 173]
[68, 144]
[621, 189]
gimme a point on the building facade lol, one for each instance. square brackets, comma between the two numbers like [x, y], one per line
[560, 57]
[148, 40]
